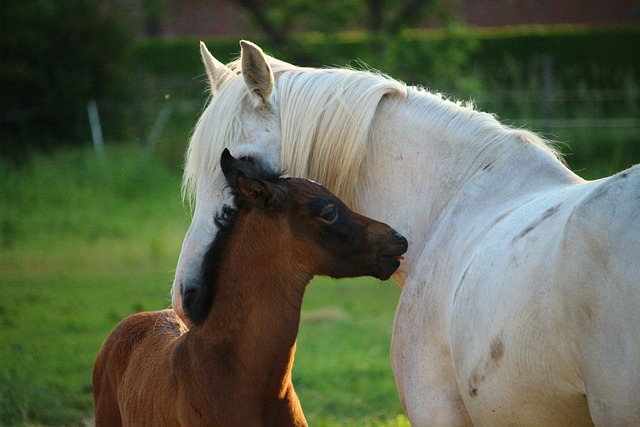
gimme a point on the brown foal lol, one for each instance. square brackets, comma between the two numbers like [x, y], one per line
[234, 367]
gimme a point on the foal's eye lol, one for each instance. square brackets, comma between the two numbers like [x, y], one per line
[329, 214]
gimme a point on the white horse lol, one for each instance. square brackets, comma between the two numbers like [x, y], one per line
[521, 304]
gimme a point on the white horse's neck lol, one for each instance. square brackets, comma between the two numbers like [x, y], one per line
[443, 156]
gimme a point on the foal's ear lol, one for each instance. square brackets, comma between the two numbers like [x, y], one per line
[218, 72]
[256, 71]
[254, 192]
[229, 165]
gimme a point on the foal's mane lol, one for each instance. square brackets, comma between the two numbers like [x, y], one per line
[326, 117]
[225, 221]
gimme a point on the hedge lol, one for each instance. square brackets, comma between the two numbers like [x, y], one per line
[597, 55]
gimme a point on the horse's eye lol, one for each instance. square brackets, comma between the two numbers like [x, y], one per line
[329, 214]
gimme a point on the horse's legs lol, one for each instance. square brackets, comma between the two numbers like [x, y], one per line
[611, 366]
[423, 368]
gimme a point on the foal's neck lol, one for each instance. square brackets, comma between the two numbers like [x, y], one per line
[256, 310]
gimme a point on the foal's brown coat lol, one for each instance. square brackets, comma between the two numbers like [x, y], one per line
[234, 369]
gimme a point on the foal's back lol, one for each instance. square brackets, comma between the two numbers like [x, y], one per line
[145, 376]
[127, 356]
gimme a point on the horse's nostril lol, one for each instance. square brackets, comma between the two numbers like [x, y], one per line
[189, 293]
[397, 235]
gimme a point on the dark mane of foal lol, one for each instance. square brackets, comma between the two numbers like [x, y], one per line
[199, 305]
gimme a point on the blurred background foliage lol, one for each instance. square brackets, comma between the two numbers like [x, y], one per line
[86, 239]
[56, 56]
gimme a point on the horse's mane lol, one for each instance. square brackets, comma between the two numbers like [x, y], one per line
[326, 117]
[461, 121]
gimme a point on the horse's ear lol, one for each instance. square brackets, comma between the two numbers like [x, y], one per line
[256, 71]
[218, 72]
[254, 192]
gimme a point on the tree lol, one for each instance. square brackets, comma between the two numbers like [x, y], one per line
[279, 19]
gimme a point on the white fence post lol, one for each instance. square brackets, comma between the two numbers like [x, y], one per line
[96, 127]
[158, 127]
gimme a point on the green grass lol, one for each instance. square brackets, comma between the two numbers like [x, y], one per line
[342, 371]
[89, 239]
[85, 241]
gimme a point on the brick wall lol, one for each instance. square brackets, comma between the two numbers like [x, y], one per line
[497, 13]
[222, 17]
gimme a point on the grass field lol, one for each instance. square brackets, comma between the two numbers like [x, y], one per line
[88, 239]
